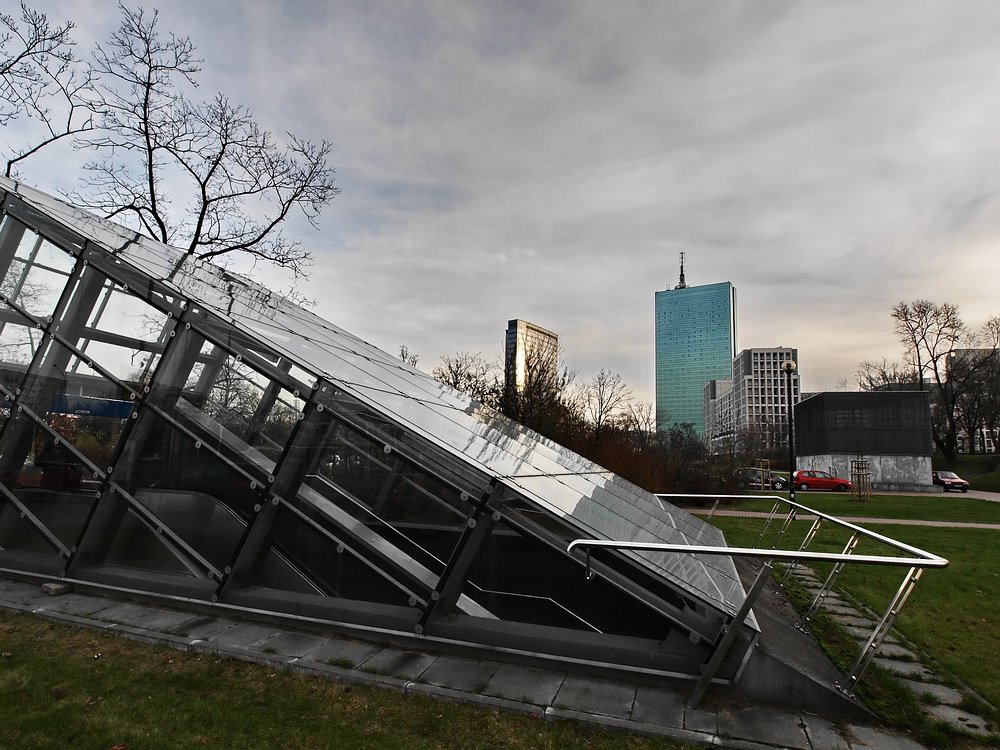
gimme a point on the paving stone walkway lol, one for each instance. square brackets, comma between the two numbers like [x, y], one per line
[939, 700]
[548, 694]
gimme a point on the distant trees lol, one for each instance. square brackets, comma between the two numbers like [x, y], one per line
[472, 375]
[598, 418]
[958, 365]
[201, 175]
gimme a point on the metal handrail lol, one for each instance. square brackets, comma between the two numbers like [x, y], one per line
[895, 543]
[918, 561]
[927, 561]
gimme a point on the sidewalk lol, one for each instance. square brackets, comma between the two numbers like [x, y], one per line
[858, 520]
[546, 694]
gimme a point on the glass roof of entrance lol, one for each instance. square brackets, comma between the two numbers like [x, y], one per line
[594, 501]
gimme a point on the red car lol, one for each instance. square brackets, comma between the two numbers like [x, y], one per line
[820, 480]
[949, 480]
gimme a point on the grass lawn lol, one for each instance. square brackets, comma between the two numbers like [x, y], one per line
[63, 687]
[946, 507]
[951, 615]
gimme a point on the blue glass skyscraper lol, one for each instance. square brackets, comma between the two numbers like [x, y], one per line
[695, 343]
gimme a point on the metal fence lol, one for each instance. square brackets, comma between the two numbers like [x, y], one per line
[907, 556]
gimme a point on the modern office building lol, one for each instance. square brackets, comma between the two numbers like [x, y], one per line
[529, 351]
[695, 343]
[753, 405]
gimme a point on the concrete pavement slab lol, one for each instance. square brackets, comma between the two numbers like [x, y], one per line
[243, 635]
[344, 652]
[596, 696]
[469, 675]
[290, 644]
[701, 720]
[659, 706]
[762, 724]
[161, 620]
[871, 738]
[123, 612]
[76, 604]
[904, 668]
[895, 651]
[856, 621]
[19, 592]
[406, 665]
[940, 693]
[822, 733]
[526, 684]
[863, 634]
[960, 719]
[202, 628]
[840, 609]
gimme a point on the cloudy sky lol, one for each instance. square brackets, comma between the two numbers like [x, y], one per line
[549, 161]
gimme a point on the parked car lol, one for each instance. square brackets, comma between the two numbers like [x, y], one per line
[949, 480]
[750, 477]
[820, 480]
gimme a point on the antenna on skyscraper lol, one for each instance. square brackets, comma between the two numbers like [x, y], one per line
[681, 284]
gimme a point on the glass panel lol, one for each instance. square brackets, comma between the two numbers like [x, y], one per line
[124, 335]
[62, 513]
[393, 488]
[517, 577]
[84, 409]
[36, 277]
[167, 459]
[18, 341]
[239, 411]
[299, 558]
[131, 543]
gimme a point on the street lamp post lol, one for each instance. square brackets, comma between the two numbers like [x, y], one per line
[789, 368]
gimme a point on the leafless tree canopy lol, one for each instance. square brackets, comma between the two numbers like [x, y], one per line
[606, 399]
[959, 366]
[473, 375]
[201, 175]
[42, 80]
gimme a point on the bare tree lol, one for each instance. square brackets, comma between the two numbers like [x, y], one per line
[539, 395]
[639, 423]
[472, 375]
[203, 176]
[604, 398]
[886, 376]
[952, 361]
[408, 357]
[928, 332]
[41, 79]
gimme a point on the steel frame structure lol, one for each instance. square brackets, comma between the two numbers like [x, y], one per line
[276, 465]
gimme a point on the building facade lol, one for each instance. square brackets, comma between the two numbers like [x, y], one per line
[890, 430]
[695, 343]
[528, 349]
[753, 406]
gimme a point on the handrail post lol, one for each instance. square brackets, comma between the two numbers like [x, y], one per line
[715, 505]
[786, 525]
[849, 548]
[805, 543]
[882, 630]
[767, 522]
[715, 661]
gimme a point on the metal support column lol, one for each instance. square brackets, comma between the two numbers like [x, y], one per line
[729, 635]
[478, 527]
